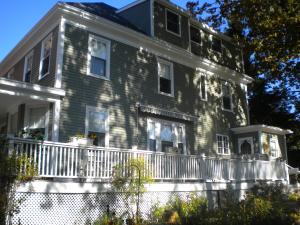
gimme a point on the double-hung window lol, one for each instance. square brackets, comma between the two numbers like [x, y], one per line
[97, 127]
[165, 77]
[195, 35]
[45, 56]
[226, 96]
[216, 44]
[223, 144]
[166, 136]
[37, 120]
[98, 57]
[28, 67]
[173, 22]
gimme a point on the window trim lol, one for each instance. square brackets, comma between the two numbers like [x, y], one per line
[191, 25]
[42, 57]
[89, 57]
[159, 60]
[222, 95]
[166, 22]
[201, 74]
[10, 73]
[223, 136]
[30, 54]
[97, 109]
[157, 136]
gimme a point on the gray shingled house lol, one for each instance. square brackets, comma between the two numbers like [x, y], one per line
[102, 85]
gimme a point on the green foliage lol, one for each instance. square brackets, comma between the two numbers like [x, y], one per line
[269, 34]
[108, 220]
[14, 170]
[294, 196]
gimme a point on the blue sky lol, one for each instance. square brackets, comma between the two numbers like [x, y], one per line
[17, 17]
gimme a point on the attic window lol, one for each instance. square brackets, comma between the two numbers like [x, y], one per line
[173, 22]
[216, 45]
[195, 34]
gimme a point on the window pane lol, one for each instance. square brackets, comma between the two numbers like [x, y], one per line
[164, 71]
[165, 85]
[98, 66]
[27, 76]
[226, 103]
[203, 87]
[98, 138]
[172, 22]
[226, 145]
[180, 135]
[45, 65]
[152, 145]
[166, 133]
[96, 121]
[195, 34]
[165, 145]
[37, 117]
[180, 148]
[98, 49]
[151, 130]
[216, 45]
[47, 47]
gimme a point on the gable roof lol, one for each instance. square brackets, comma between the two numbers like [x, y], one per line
[103, 10]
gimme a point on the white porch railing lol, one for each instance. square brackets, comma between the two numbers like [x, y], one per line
[66, 161]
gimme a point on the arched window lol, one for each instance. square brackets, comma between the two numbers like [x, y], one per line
[246, 148]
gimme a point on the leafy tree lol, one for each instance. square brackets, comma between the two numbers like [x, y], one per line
[268, 30]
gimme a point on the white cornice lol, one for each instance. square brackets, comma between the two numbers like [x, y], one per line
[261, 128]
[117, 32]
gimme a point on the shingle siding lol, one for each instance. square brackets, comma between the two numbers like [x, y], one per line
[133, 78]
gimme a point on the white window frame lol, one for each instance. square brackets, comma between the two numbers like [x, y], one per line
[230, 95]
[201, 74]
[191, 35]
[249, 139]
[42, 56]
[47, 116]
[101, 110]
[159, 61]
[89, 57]
[157, 124]
[30, 54]
[223, 147]
[166, 22]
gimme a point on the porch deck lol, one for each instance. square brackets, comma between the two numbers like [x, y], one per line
[61, 160]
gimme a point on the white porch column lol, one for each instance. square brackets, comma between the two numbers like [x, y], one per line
[56, 117]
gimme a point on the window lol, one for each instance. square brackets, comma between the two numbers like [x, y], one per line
[173, 22]
[166, 136]
[97, 126]
[195, 34]
[37, 121]
[203, 91]
[45, 56]
[165, 76]
[223, 144]
[216, 44]
[246, 145]
[226, 96]
[28, 67]
[98, 57]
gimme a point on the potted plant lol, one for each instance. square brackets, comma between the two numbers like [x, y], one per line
[80, 140]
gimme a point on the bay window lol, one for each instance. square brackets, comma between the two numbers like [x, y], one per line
[166, 136]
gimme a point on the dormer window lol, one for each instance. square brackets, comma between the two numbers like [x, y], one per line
[173, 22]
[195, 35]
[216, 45]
